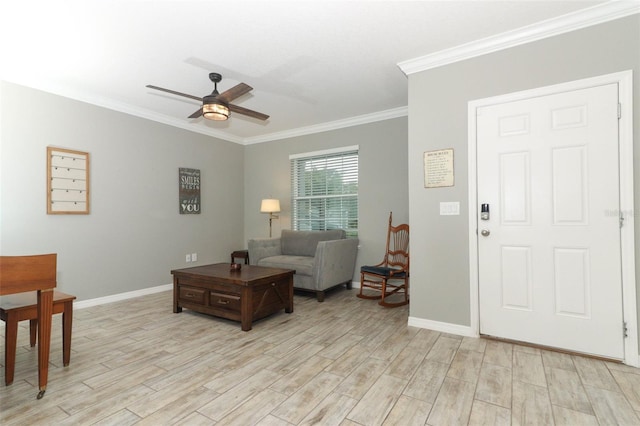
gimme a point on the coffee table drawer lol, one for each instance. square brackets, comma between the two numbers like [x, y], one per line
[224, 301]
[192, 295]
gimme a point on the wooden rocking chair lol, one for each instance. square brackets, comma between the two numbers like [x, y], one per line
[391, 276]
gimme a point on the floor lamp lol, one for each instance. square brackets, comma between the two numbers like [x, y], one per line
[271, 206]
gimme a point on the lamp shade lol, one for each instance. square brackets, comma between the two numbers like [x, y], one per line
[214, 109]
[270, 205]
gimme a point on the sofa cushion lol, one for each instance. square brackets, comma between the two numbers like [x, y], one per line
[304, 243]
[302, 264]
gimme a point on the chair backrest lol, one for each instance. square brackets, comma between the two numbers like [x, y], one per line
[397, 254]
[27, 273]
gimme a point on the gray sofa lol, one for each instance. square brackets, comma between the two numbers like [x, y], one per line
[322, 259]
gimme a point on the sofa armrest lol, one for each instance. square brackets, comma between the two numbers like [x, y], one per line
[335, 262]
[260, 248]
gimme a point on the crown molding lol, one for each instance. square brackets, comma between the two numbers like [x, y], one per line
[174, 122]
[92, 99]
[331, 125]
[563, 24]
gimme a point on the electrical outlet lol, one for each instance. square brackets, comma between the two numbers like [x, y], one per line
[187, 258]
[194, 257]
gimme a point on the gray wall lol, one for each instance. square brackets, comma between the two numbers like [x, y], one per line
[438, 119]
[383, 180]
[134, 235]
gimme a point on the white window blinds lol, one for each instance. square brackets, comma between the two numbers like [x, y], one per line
[324, 188]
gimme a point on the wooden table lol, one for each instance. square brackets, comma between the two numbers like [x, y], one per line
[34, 273]
[251, 293]
[24, 306]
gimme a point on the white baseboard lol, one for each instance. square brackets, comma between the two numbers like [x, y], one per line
[443, 327]
[121, 296]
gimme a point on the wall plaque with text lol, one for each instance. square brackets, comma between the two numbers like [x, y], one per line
[189, 191]
[438, 168]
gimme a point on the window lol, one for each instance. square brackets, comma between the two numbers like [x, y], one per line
[324, 190]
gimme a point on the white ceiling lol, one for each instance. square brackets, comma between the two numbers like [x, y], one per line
[312, 64]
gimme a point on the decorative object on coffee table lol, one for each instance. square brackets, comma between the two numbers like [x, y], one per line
[241, 254]
[244, 295]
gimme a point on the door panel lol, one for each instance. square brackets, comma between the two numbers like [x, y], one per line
[514, 186]
[517, 289]
[570, 186]
[550, 262]
[572, 282]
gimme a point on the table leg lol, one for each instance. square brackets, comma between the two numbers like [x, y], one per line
[33, 332]
[289, 308]
[45, 313]
[246, 312]
[67, 318]
[176, 309]
[11, 334]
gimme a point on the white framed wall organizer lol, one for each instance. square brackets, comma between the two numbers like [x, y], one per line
[67, 181]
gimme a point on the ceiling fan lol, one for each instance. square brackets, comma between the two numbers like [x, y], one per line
[216, 106]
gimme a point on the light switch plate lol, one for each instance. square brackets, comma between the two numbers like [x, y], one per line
[449, 208]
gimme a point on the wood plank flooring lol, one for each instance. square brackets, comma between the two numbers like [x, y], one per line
[346, 361]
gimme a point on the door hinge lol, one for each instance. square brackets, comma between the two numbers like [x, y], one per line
[619, 110]
[621, 220]
[624, 330]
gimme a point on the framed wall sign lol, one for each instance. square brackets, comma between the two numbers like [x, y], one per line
[67, 181]
[438, 168]
[189, 191]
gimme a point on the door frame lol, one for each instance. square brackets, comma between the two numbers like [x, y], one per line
[624, 80]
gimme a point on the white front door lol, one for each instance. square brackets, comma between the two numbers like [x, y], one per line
[549, 259]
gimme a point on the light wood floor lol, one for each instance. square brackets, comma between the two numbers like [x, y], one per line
[346, 361]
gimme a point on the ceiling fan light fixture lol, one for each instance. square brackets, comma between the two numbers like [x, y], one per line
[216, 106]
[214, 109]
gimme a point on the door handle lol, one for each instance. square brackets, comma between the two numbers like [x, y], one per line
[485, 232]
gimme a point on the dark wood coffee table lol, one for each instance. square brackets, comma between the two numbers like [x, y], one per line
[246, 295]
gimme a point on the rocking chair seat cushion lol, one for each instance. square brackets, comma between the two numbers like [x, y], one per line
[382, 271]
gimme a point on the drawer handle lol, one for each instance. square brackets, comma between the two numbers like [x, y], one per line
[273, 284]
[223, 302]
[190, 295]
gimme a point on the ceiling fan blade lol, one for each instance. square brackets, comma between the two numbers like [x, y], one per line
[248, 112]
[235, 92]
[173, 92]
[196, 114]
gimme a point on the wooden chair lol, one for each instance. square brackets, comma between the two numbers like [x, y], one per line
[19, 274]
[391, 276]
